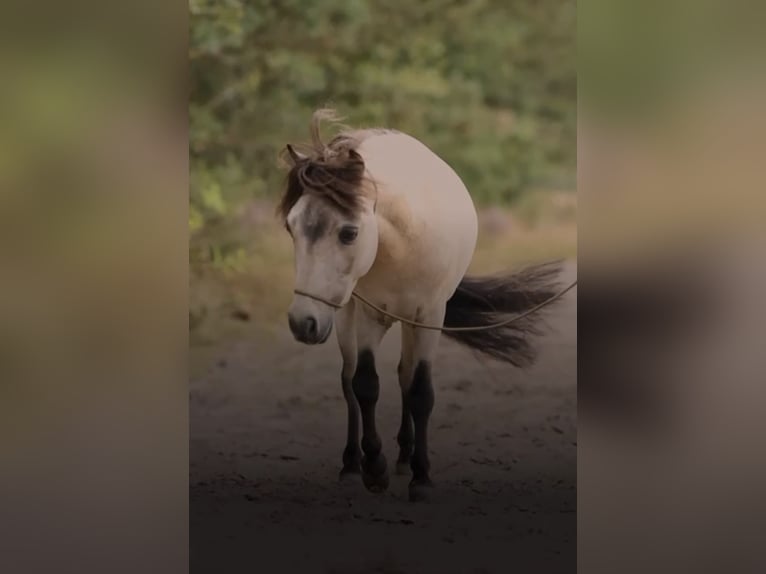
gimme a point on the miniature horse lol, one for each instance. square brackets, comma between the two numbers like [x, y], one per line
[376, 212]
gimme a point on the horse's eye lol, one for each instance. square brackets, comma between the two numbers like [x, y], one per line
[348, 234]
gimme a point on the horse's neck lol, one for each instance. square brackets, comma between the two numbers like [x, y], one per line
[397, 237]
[392, 244]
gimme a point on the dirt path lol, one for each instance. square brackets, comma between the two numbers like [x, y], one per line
[268, 429]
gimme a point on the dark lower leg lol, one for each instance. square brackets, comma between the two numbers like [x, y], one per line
[405, 436]
[351, 454]
[421, 402]
[366, 389]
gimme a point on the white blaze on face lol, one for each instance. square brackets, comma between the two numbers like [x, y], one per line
[332, 251]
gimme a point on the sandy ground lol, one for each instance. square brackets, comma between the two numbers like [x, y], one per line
[267, 432]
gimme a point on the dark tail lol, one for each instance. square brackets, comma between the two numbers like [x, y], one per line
[487, 300]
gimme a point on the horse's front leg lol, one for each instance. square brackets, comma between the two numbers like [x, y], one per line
[415, 378]
[345, 330]
[366, 386]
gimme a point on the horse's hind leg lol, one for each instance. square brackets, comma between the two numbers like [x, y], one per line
[417, 386]
[366, 387]
[405, 437]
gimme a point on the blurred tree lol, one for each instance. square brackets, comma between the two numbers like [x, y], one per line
[490, 85]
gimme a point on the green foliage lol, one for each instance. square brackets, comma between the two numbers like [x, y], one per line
[490, 85]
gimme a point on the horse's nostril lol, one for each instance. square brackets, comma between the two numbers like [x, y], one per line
[293, 323]
[311, 326]
[305, 329]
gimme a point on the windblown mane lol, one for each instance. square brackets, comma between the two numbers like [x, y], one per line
[334, 171]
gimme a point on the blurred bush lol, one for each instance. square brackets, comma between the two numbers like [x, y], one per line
[489, 85]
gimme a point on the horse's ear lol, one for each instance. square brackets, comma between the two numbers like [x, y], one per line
[294, 155]
[355, 163]
[357, 159]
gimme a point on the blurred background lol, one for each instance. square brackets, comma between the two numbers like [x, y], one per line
[672, 241]
[490, 86]
[93, 314]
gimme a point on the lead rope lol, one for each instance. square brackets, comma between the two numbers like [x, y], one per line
[442, 327]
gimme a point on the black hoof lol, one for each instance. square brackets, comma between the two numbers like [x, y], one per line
[350, 472]
[420, 489]
[375, 474]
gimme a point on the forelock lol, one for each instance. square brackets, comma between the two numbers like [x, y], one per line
[334, 171]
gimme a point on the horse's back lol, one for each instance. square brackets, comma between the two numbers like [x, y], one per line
[404, 167]
[427, 194]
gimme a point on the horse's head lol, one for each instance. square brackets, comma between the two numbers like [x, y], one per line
[335, 236]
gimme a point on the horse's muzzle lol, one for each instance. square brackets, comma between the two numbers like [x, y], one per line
[307, 329]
